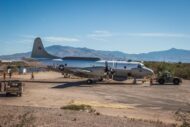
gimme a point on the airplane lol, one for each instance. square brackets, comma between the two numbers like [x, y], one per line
[90, 67]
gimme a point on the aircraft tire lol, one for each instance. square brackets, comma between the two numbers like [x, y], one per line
[176, 81]
[161, 81]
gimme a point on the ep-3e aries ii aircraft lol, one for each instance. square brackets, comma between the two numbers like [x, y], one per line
[90, 67]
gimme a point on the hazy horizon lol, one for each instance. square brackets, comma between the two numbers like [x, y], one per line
[96, 50]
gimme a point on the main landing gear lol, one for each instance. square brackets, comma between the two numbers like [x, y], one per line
[90, 81]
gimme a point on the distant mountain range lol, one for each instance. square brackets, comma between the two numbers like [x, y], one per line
[171, 55]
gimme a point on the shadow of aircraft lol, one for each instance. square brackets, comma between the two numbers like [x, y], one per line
[85, 84]
[74, 84]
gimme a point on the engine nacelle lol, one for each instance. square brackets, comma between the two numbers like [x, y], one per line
[119, 78]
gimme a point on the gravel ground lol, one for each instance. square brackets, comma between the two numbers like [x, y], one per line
[17, 116]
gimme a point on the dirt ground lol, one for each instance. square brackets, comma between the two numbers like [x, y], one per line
[48, 117]
[119, 103]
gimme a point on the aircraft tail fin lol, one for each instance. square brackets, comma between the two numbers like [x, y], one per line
[39, 51]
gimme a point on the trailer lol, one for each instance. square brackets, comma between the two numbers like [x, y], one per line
[11, 87]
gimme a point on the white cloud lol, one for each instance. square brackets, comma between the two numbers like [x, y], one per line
[103, 35]
[158, 34]
[60, 39]
[100, 34]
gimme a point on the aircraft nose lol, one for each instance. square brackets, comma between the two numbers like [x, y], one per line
[149, 71]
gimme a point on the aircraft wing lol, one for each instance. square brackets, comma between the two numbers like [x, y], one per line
[81, 70]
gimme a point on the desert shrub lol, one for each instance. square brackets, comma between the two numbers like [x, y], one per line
[177, 69]
[82, 107]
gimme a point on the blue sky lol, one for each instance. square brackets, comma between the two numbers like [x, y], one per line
[131, 26]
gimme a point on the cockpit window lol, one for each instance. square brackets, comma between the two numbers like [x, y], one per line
[139, 66]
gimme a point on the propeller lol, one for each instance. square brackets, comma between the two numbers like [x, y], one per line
[106, 67]
[109, 72]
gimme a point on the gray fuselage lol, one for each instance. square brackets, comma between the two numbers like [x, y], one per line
[93, 68]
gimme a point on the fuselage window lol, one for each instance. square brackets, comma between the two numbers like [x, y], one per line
[125, 67]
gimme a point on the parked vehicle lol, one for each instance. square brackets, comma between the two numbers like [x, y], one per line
[167, 77]
[11, 87]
